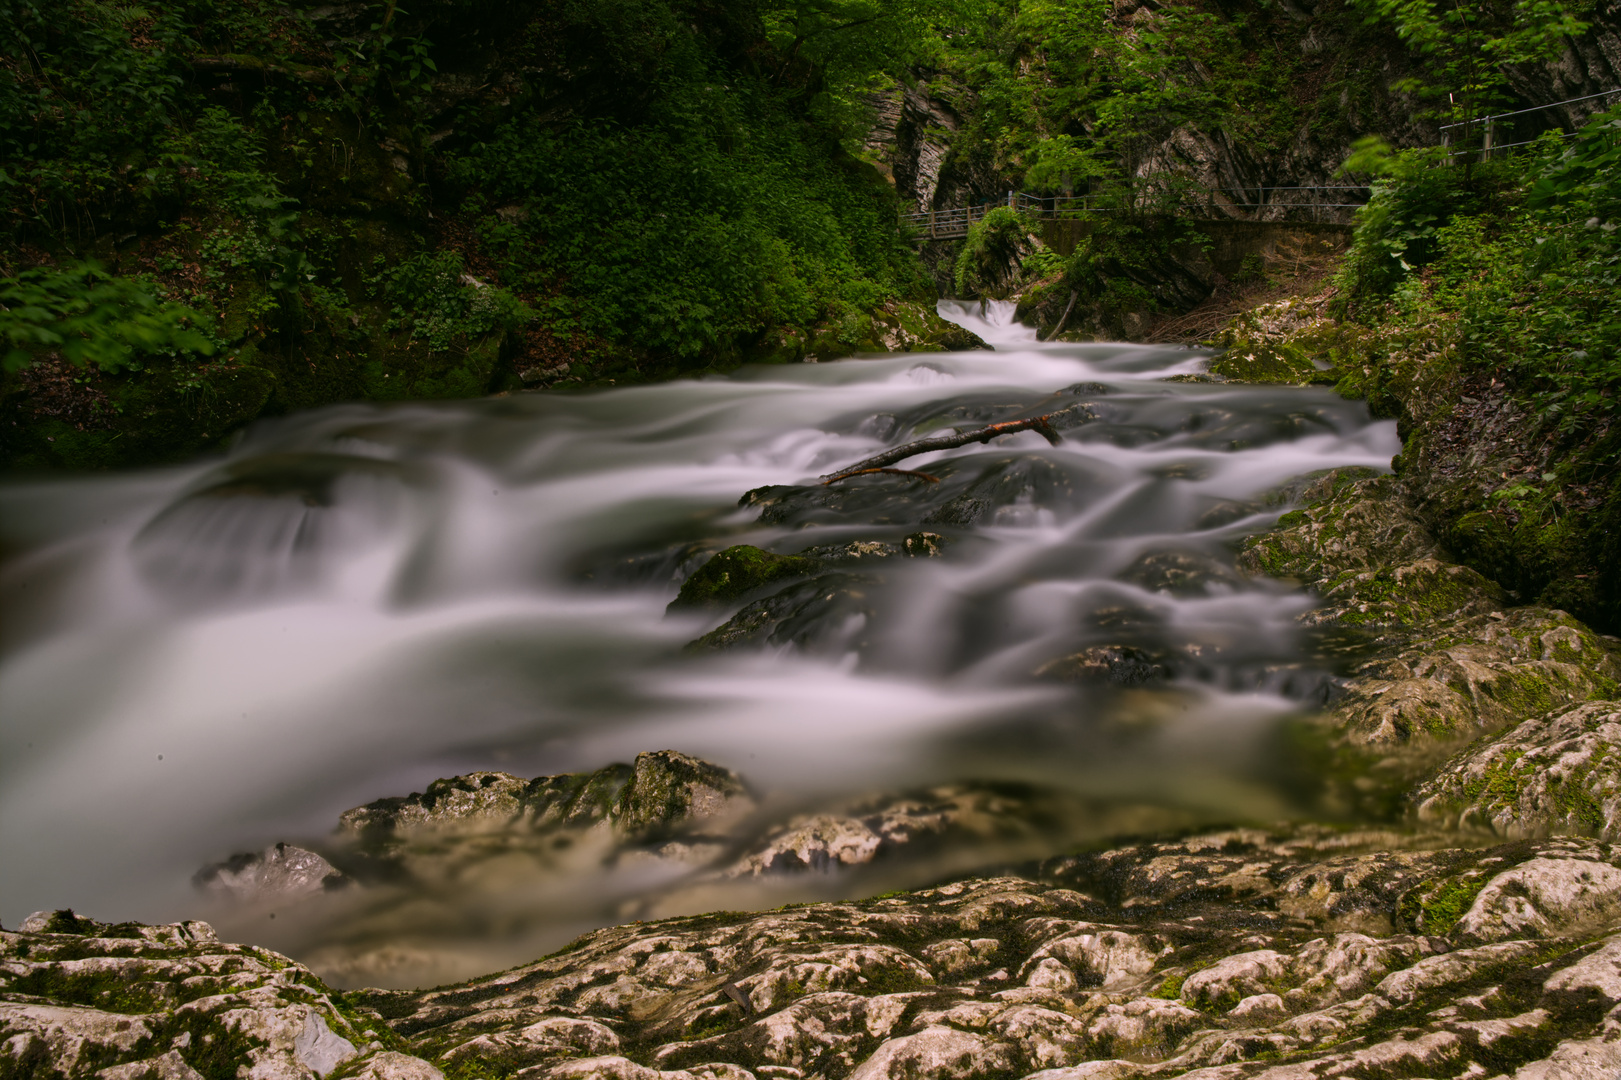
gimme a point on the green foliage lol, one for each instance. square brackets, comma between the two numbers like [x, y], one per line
[1469, 46]
[992, 246]
[434, 297]
[87, 316]
[719, 216]
[1111, 266]
[1396, 230]
[1070, 99]
[1525, 261]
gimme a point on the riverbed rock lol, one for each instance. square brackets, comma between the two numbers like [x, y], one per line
[1213, 954]
[1443, 655]
[130, 1002]
[662, 792]
[280, 870]
[733, 575]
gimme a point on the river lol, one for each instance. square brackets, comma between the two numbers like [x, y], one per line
[351, 602]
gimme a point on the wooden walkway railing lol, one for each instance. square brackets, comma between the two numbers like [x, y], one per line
[1255, 204]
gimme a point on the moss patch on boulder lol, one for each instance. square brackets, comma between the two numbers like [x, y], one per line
[731, 576]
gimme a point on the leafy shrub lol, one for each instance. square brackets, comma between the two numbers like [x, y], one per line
[434, 297]
[1523, 263]
[86, 316]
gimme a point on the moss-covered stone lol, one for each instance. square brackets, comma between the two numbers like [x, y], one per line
[668, 789]
[733, 575]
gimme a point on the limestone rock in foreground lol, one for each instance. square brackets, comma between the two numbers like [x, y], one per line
[80, 998]
[1214, 953]
[1223, 956]
[1556, 773]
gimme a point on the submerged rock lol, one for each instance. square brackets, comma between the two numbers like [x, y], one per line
[823, 612]
[732, 575]
[280, 870]
[1115, 665]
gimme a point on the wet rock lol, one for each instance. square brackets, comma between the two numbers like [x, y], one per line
[962, 512]
[1544, 897]
[392, 1065]
[1234, 977]
[1478, 673]
[1559, 772]
[126, 1002]
[1180, 573]
[668, 789]
[1343, 528]
[952, 817]
[733, 575]
[1278, 343]
[661, 792]
[1115, 665]
[936, 1051]
[280, 870]
[824, 614]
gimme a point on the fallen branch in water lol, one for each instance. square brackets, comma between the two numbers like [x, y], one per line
[878, 462]
[898, 472]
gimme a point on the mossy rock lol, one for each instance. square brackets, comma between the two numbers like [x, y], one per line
[733, 575]
[669, 789]
[1268, 363]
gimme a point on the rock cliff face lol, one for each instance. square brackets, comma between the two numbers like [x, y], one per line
[919, 129]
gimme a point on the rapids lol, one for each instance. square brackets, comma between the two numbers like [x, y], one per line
[351, 602]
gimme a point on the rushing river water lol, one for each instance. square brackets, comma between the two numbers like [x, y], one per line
[354, 601]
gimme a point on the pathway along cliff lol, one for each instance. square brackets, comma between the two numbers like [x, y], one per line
[357, 601]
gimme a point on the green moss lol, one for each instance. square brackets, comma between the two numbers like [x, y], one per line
[1437, 909]
[733, 574]
[1292, 519]
[1268, 362]
[102, 990]
[1171, 988]
[1500, 784]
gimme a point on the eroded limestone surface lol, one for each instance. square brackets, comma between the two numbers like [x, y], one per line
[128, 1002]
[1226, 955]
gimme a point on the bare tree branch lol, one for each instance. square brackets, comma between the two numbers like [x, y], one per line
[877, 462]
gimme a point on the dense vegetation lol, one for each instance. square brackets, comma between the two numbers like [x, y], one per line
[293, 205]
[214, 212]
[1498, 282]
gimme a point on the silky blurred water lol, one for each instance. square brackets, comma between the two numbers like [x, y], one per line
[354, 601]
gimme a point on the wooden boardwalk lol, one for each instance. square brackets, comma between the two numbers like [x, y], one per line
[1321, 203]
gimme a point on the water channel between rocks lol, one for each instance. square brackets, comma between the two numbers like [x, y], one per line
[355, 601]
